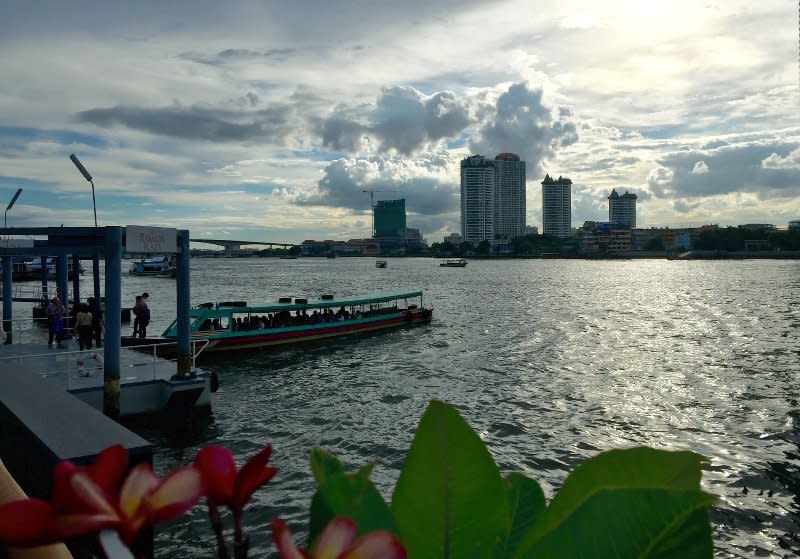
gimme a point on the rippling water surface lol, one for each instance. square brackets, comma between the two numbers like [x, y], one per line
[550, 361]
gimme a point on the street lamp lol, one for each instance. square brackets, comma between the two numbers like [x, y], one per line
[10, 204]
[88, 177]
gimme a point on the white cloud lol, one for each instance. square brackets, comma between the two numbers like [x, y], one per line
[700, 168]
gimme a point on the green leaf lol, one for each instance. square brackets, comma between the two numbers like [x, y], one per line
[324, 465]
[449, 500]
[636, 503]
[353, 496]
[525, 503]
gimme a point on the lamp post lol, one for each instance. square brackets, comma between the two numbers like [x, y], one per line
[10, 205]
[88, 177]
[96, 258]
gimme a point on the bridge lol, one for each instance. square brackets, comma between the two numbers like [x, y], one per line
[230, 245]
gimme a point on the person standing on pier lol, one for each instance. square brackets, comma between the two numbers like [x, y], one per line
[55, 312]
[83, 322]
[138, 312]
[97, 321]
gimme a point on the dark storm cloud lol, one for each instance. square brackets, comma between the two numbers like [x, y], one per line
[422, 182]
[770, 170]
[523, 124]
[403, 119]
[232, 55]
[197, 123]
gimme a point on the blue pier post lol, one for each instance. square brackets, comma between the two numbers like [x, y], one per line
[111, 348]
[76, 279]
[44, 280]
[61, 279]
[182, 283]
[7, 298]
[96, 274]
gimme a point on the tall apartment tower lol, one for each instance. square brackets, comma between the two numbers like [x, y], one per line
[390, 218]
[477, 199]
[622, 208]
[557, 207]
[509, 196]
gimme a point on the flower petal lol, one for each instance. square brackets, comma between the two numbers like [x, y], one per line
[377, 545]
[109, 468]
[141, 481]
[91, 494]
[246, 485]
[65, 526]
[218, 469]
[283, 541]
[25, 523]
[338, 535]
[177, 493]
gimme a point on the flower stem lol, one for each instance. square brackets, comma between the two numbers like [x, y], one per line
[216, 524]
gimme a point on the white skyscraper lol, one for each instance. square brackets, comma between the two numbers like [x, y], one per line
[477, 199]
[557, 207]
[622, 209]
[492, 197]
[509, 196]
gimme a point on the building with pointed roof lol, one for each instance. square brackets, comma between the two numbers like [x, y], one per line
[557, 207]
[622, 209]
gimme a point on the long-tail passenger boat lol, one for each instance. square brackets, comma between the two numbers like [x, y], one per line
[234, 325]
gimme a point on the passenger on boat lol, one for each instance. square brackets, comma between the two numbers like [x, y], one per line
[215, 325]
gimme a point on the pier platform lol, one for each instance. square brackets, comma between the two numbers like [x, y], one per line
[147, 382]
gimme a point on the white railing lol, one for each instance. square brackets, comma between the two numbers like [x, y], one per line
[89, 363]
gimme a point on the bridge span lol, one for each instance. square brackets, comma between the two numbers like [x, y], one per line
[230, 245]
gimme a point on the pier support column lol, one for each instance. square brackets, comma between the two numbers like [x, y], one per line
[111, 348]
[96, 274]
[61, 279]
[182, 283]
[76, 279]
[7, 298]
[45, 296]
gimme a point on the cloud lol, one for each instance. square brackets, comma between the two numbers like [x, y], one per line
[403, 120]
[428, 184]
[790, 162]
[523, 124]
[273, 124]
[769, 169]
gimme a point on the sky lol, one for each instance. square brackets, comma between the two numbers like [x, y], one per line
[267, 120]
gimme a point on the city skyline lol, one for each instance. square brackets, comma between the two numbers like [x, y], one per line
[258, 120]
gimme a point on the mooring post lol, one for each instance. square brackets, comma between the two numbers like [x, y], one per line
[184, 348]
[7, 297]
[111, 347]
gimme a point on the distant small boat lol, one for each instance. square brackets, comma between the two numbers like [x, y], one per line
[163, 267]
[380, 263]
[453, 263]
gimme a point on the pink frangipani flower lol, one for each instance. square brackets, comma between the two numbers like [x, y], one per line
[338, 541]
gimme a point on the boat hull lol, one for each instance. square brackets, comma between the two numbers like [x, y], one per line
[229, 341]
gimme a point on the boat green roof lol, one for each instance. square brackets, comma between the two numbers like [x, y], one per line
[317, 304]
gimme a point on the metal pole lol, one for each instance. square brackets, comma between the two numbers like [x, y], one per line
[96, 274]
[7, 297]
[111, 347]
[94, 206]
[184, 347]
[372, 206]
[76, 280]
[43, 272]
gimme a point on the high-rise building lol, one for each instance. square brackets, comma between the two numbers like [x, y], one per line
[622, 209]
[509, 196]
[390, 218]
[477, 199]
[492, 197]
[557, 207]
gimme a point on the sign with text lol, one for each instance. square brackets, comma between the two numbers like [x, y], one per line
[151, 239]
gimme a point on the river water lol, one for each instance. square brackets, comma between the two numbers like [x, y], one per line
[550, 361]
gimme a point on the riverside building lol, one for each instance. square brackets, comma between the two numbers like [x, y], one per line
[492, 197]
[557, 207]
[622, 209]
